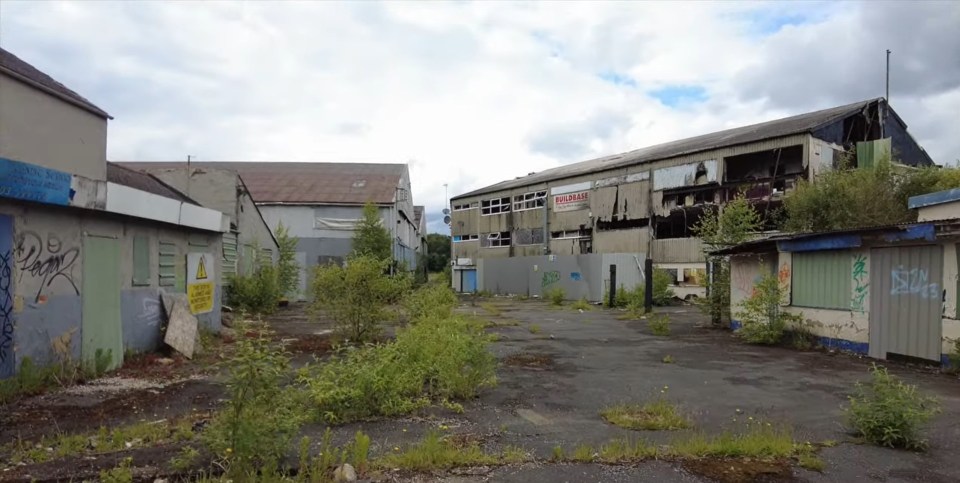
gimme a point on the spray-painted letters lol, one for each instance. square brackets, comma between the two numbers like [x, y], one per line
[550, 278]
[860, 283]
[6, 315]
[47, 260]
[913, 282]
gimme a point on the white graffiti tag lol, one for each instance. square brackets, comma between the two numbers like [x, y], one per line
[913, 282]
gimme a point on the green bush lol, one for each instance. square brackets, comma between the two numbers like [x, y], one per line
[356, 295]
[288, 270]
[258, 293]
[436, 359]
[887, 412]
[432, 300]
[581, 304]
[261, 416]
[662, 293]
[763, 319]
[659, 324]
[555, 295]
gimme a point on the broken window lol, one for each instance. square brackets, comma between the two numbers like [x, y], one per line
[766, 165]
[528, 236]
[495, 240]
[529, 201]
[495, 206]
[465, 206]
[464, 238]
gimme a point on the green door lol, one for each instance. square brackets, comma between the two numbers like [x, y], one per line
[101, 303]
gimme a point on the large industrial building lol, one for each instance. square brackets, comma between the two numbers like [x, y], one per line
[647, 201]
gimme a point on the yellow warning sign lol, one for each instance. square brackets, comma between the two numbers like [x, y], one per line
[201, 270]
[200, 297]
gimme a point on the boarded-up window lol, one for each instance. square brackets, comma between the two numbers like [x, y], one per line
[167, 265]
[821, 280]
[141, 260]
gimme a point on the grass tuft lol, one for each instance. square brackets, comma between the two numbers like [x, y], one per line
[534, 329]
[436, 453]
[658, 415]
[581, 304]
[758, 440]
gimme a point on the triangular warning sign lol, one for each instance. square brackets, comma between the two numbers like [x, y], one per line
[201, 270]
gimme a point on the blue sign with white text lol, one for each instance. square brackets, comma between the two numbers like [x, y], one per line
[30, 182]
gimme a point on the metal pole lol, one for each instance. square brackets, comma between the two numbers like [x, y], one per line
[613, 286]
[188, 174]
[886, 107]
[648, 270]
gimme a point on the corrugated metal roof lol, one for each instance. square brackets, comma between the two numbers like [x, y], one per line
[747, 134]
[417, 214]
[18, 68]
[307, 183]
[144, 182]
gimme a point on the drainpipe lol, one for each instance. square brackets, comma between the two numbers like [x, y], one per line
[546, 222]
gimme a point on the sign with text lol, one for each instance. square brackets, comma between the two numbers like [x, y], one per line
[24, 181]
[200, 282]
[571, 201]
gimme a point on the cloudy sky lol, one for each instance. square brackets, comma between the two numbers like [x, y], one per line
[473, 93]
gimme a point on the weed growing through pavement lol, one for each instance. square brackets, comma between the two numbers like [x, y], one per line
[437, 453]
[556, 296]
[657, 415]
[659, 324]
[667, 359]
[888, 412]
[185, 460]
[581, 304]
[119, 474]
[490, 308]
[534, 329]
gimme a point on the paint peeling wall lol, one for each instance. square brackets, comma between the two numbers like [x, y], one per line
[47, 278]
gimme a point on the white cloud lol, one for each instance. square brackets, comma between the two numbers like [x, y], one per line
[474, 93]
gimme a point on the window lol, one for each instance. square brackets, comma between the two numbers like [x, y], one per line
[529, 201]
[465, 206]
[821, 280]
[495, 206]
[167, 264]
[495, 240]
[560, 235]
[528, 236]
[463, 238]
[141, 260]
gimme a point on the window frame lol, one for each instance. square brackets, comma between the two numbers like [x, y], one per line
[495, 206]
[502, 239]
[530, 200]
[465, 238]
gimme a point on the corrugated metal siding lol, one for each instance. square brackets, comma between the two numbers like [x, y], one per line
[141, 260]
[822, 280]
[677, 250]
[905, 301]
[869, 153]
[228, 263]
[167, 264]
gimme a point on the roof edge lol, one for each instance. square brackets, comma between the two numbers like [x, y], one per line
[88, 106]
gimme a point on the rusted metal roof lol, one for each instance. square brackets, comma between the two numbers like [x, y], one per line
[741, 135]
[144, 182]
[17, 68]
[306, 183]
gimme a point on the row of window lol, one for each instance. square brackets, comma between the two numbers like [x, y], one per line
[495, 206]
[519, 237]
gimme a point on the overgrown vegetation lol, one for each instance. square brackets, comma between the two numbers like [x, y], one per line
[356, 296]
[728, 226]
[288, 270]
[581, 304]
[257, 293]
[371, 239]
[555, 296]
[888, 412]
[849, 197]
[662, 293]
[659, 324]
[438, 252]
[437, 453]
[762, 316]
[430, 300]
[434, 360]
[657, 415]
[32, 379]
[261, 415]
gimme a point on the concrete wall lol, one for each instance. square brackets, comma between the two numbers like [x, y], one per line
[580, 276]
[41, 129]
[943, 211]
[47, 277]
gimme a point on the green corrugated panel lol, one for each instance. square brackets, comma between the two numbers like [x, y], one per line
[141, 260]
[869, 153]
[167, 265]
[229, 264]
[822, 280]
[266, 257]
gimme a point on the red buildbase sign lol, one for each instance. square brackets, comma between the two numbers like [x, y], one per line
[571, 201]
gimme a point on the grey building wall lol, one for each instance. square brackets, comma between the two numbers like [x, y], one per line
[38, 128]
[580, 276]
[47, 277]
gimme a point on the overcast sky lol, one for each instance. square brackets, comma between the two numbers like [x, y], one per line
[474, 93]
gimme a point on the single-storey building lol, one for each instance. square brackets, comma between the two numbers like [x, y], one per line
[881, 291]
[87, 247]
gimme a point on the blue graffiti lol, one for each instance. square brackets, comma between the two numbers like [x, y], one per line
[575, 276]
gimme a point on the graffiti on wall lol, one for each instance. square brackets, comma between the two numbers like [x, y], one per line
[914, 281]
[860, 283]
[150, 311]
[550, 278]
[6, 315]
[783, 275]
[46, 259]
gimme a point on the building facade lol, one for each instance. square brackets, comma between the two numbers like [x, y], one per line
[647, 201]
[86, 248]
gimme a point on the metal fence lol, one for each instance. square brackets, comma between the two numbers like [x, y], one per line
[580, 276]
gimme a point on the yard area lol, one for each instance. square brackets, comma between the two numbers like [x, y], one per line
[558, 369]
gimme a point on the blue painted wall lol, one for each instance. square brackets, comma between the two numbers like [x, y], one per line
[8, 363]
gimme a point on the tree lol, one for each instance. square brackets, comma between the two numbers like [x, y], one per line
[371, 237]
[731, 225]
[438, 252]
[288, 270]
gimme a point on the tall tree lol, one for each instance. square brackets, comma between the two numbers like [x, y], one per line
[371, 238]
[438, 251]
[288, 270]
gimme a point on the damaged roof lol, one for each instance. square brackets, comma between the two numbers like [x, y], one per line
[802, 123]
[19, 69]
[417, 214]
[306, 183]
[144, 182]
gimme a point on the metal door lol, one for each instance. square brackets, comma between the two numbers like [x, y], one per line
[8, 363]
[906, 299]
[469, 281]
[100, 323]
